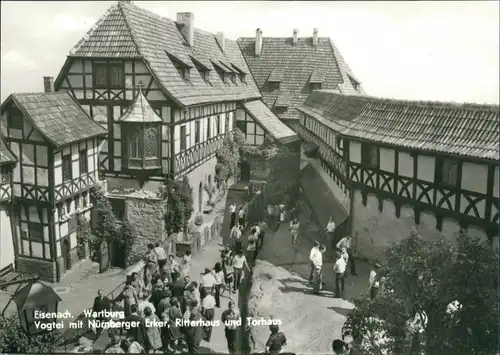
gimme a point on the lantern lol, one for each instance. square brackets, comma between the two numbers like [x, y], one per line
[37, 307]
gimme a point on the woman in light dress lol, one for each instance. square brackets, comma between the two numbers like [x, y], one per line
[152, 332]
[129, 297]
[186, 263]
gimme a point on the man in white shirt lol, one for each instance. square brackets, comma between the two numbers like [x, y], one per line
[208, 281]
[236, 236]
[346, 243]
[330, 235]
[339, 269]
[161, 254]
[312, 258]
[232, 211]
[318, 269]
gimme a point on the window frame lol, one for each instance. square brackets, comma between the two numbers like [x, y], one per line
[83, 161]
[66, 159]
[366, 148]
[443, 163]
[197, 132]
[136, 138]
[4, 175]
[96, 77]
[183, 138]
[19, 121]
[32, 228]
[243, 124]
[121, 82]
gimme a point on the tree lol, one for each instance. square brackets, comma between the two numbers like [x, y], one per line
[83, 233]
[282, 183]
[14, 340]
[228, 157]
[422, 279]
[179, 197]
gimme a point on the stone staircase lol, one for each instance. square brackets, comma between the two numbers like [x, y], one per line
[83, 270]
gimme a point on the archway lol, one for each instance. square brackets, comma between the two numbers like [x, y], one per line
[200, 197]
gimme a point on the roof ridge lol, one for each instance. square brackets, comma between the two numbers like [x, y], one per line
[131, 31]
[278, 37]
[40, 93]
[426, 103]
[92, 29]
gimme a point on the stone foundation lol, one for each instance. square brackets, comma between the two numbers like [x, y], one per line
[46, 269]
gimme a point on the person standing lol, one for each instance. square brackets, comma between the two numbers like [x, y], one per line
[228, 268]
[219, 282]
[208, 312]
[373, 281]
[346, 243]
[151, 263]
[173, 331]
[241, 216]
[276, 341]
[270, 215]
[229, 318]
[235, 237]
[194, 333]
[239, 262]
[129, 297]
[101, 305]
[330, 235]
[152, 330]
[339, 269]
[185, 266]
[145, 304]
[174, 267]
[232, 213]
[139, 331]
[312, 258]
[318, 267]
[207, 283]
[294, 232]
[252, 246]
[161, 255]
[262, 234]
[178, 289]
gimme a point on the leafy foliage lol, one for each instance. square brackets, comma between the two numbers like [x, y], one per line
[83, 233]
[108, 227]
[14, 340]
[282, 184]
[422, 278]
[179, 197]
[228, 157]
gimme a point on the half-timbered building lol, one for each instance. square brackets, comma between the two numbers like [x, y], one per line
[395, 164]
[287, 69]
[56, 144]
[167, 93]
[7, 164]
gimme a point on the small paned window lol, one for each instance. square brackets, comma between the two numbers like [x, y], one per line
[67, 173]
[135, 146]
[5, 176]
[447, 171]
[197, 132]
[35, 231]
[369, 155]
[15, 120]
[83, 161]
[116, 76]
[100, 75]
[183, 138]
[151, 142]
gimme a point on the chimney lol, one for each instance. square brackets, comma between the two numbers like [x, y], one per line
[186, 19]
[295, 37]
[258, 42]
[315, 37]
[48, 83]
[220, 39]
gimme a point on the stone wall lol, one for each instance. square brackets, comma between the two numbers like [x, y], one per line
[379, 230]
[145, 216]
[46, 269]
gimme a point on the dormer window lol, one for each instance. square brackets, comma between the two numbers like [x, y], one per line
[241, 74]
[243, 78]
[232, 76]
[315, 86]
[141, 128]
[182, 68]
[223, 75]
[354, 83]
[275, 77]
[202, 69]
[316, 79]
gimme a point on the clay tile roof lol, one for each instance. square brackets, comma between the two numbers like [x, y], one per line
[128, 31]
[317, 76]
[6, 156]
[140, 111]
[464, 129]
[269, 121]
[283, 100]
[58, 117]
[298, 62]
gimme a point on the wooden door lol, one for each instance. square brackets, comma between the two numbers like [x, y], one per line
[104, 257]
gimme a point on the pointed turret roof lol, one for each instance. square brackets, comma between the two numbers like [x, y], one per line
[140, 111]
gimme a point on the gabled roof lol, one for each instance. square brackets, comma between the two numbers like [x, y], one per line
[128, 31]
[298, 62]
[57, 116]
[140, 111]
[269, 121]
[6, 155]
[464, 129]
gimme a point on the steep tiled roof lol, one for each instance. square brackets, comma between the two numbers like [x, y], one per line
[140, 111]
[128, 31]
[267, 119]
[284, 99]
[299, 64]
[464, 129]
[6, 156]
[58, 117]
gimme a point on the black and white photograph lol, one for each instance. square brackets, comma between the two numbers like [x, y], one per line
[250, 177]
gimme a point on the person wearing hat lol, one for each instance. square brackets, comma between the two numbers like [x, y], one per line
[207, 282]
[313, 256]
[373, 281]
